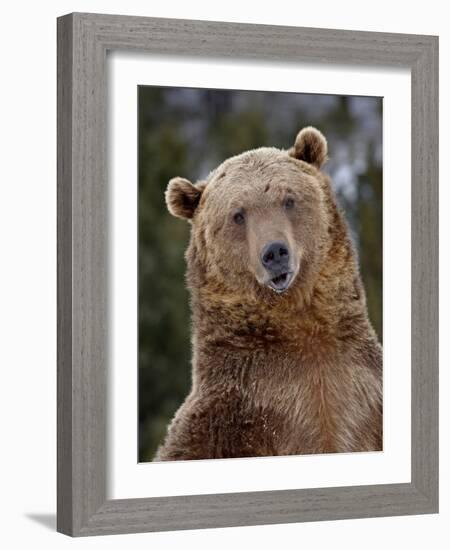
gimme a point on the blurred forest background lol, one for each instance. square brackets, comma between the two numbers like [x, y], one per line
[188, 132]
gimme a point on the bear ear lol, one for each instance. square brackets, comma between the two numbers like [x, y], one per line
[182, 197]
[310, 146]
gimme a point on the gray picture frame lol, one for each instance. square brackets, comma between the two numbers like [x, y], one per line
[83, 42]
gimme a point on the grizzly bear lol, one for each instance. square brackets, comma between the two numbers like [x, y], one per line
[285, 360]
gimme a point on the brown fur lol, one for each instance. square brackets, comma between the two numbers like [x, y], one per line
[274, 374]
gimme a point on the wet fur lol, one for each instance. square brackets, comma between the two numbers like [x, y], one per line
[297, 373]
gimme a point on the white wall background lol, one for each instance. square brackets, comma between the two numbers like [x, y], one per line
[28, 272]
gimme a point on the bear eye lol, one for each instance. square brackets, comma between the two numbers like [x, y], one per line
[289, 203]
[238, 217]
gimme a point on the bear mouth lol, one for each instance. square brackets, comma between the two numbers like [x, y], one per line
[281, 282]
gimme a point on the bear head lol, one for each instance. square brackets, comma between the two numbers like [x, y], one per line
[260, 221]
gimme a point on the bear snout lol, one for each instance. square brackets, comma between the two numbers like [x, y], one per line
[276, 260]
[275, 257]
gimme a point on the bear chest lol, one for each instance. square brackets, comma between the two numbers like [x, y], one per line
[305, 407]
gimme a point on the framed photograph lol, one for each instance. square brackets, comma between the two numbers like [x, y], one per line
[247, 274]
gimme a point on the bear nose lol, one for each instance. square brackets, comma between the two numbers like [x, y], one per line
[275, 255]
